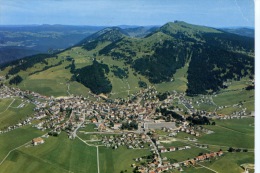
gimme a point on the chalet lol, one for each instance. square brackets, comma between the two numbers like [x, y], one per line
[220, 153]
[37, 141]
[172, 149]
[163, 150]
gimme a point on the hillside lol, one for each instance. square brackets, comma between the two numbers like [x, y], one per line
[176, 56]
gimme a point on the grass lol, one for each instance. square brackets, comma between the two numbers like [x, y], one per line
[197, 169]
[18, 161]
[227, 137]
[89, 128]
[16, 138]
[14, 115]
[233, 97]
[181, 155]
[240, 125]
[179, 84]
[230, 162]
[16, 103]
[119, 159]
[58, 152]
[173, 144]
[4, 103]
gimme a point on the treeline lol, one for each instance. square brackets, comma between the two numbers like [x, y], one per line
[94, 77]
[133, 125]
[91, 45]
[166, 112]
[196, 119]
[161, 66]
[119, 72]
[210, 67]
[16, 80]
[27, 62]
[46, 68]
[230, 41]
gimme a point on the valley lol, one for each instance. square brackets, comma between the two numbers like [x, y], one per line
[179, 98]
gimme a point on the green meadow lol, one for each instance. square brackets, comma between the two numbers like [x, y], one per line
[13, 115]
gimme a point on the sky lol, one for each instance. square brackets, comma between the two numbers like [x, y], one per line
[215, 13]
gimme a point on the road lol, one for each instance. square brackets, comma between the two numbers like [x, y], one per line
[207, 168]
[8, 106]
[157, 152]
[97, 160]
[74, 133]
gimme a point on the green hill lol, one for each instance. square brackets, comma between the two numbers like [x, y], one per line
[177, 56]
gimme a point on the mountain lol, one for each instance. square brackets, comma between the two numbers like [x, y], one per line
[248, 32]
[20, 41]
[24, 40]
[176, 56]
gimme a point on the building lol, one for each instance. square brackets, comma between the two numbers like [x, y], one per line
[37, 141]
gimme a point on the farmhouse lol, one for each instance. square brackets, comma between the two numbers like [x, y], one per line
[37, 141]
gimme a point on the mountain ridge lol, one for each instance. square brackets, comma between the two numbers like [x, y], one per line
[211, 57]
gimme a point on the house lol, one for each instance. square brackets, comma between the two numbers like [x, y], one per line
[220, 153]
[202, 157]
[101, 127]
[163, 150]
[117, 126]
[172, 149]
[37, 141]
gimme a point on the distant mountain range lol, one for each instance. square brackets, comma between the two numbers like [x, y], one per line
[192, 58]
[23, 40]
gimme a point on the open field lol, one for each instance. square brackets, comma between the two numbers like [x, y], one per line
[230, 162]
[227, 137]
[173, 144]
[181, 155]
[119, 159]
[4, 103]
[245, 125]
[179, 84]
[89, 128]
[16, 138]
[233, 97]
[59, 152]
[13, 114]
[18, 161]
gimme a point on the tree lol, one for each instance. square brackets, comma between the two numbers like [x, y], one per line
[16, 80]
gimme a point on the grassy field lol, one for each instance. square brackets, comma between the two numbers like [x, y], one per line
[179, 84]
[57, 152]
[233, 97]
[16, 138]
[119, 159]
[245, 125]
[13, 115]
[227, 137]
[173, 144]
[181, 155]
[4, 103]
[230, 162]
[89, 128]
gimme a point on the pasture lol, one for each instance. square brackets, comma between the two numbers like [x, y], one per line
[13, 114]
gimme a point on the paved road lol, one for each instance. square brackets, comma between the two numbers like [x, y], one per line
[157, 152]
[97, 160]
[74, 133]
[8, 106]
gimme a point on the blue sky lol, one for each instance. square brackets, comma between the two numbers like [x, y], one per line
[215, 13]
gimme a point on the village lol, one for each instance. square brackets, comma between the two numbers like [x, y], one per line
[131, 122]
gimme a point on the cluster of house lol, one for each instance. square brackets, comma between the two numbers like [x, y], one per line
[20, 124]
[154, 167]
[130, 140]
